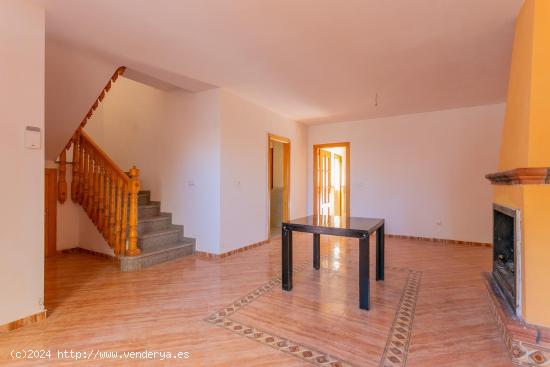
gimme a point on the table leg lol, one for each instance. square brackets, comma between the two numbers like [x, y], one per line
[316, 251]
[287, 258]
[364, 286]
[380, 253]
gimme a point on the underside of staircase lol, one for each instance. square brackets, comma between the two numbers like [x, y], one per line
[158, 239]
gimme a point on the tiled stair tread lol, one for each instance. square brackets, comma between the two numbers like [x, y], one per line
[158, 239]
[152, 204]
[173, 228]
[162, 216]
[167, 247]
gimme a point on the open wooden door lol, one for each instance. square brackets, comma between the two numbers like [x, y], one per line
[278, 198]
[325, 182]
[337, 180]
[50, 212]
[331, 177]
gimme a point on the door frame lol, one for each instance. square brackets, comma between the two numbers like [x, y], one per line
[338, 157]
[346, 201]
[50, 247]
[286, 177]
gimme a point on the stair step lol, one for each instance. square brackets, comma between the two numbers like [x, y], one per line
[147, 240]
[152, 209]
[149, 224]
[162, 253]
[160, 248]
[144, 197]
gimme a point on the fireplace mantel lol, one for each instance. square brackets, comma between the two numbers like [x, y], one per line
[521, 176]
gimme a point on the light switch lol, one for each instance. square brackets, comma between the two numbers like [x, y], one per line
[33, 137]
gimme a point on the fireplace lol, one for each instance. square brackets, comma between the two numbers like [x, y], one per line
[506, 255]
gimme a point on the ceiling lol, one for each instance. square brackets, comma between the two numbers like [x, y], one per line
[314, 61]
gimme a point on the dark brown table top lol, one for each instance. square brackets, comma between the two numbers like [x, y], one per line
[335, 225]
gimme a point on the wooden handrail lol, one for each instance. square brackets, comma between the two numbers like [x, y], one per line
[62, 189]
[106, 193]
[118, 72]
[104, 156]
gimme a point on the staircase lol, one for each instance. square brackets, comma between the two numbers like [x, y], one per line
[132, 225]
[158, 239]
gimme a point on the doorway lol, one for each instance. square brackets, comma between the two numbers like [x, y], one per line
[278, 182]
[331, 174]
[50, 212]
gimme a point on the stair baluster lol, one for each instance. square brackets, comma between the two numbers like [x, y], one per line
[85, 181]
[118, 223]
[101, 197]
[112, 213]
[106, 210]
[76, 166]
[81, 173]
[95, 211]
[122, 244]
[90, 198]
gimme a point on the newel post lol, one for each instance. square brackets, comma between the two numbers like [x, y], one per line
[133, 250]
[62, 183]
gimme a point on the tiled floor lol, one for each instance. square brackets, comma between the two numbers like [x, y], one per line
[430, 311]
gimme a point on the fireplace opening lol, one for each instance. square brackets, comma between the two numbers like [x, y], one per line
[506, 264]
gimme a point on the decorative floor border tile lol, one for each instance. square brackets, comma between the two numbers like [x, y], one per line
[399, 337]
[281, 344]
[397, 345]
[251, 297]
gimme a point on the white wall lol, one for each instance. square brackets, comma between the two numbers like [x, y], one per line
[173, 138]
[203, 155]
[89, 236]
[190, 165]
[68, 213]
[244, 169]
[22, 31]
[416, 170]
[128, 126]
[132, 113]
[74, 79]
